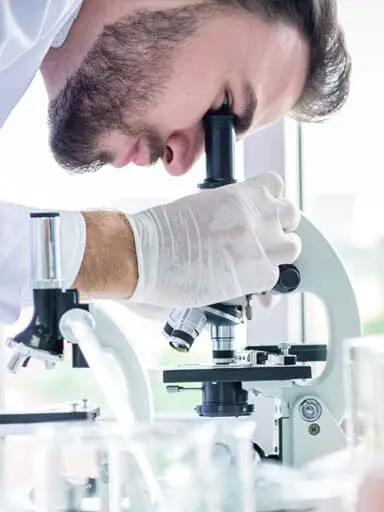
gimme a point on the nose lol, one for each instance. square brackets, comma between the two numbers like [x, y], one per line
[183, 148]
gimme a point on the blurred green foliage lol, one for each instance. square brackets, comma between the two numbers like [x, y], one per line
[174, 403]
[67, 384]
[374, 327]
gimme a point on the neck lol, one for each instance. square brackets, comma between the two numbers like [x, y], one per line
[60, 63]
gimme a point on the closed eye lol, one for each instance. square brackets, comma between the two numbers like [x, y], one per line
[227, 102]
[228, 105]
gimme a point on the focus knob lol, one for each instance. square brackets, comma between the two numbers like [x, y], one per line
[289, 279]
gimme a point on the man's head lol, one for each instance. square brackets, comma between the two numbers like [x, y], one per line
[136, 77]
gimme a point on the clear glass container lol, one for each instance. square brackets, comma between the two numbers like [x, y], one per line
[364, 391]
[170, 466]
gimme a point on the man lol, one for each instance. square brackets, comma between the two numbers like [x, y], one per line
[130, 81]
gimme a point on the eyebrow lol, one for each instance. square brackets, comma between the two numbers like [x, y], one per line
[244, 120]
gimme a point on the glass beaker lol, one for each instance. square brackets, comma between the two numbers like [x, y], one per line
[167, 466]
[364, 392]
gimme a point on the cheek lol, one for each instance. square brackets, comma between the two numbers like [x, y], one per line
[179, 108]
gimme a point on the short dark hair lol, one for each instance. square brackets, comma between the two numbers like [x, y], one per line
[328, 80]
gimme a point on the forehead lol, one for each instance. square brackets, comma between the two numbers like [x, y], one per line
[205, 64]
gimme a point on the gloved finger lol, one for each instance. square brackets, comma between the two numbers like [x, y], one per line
[269, 301]
[289, 215]
[287, 250]
[272, 182]
[292, 249]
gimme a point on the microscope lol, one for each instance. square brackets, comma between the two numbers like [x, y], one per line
[45, 338]
[306, 423]
[309, 411]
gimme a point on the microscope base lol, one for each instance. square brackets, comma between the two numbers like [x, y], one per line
[71, 412]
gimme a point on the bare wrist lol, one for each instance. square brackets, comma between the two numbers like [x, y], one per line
[109, 266]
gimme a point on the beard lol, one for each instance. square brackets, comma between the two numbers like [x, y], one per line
[119, 80]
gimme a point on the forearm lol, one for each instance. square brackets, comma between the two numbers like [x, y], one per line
[109, 266]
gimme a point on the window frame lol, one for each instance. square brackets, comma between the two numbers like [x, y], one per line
[3, 366]
[277, 148]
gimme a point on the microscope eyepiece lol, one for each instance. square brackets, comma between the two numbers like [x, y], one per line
[220, 137]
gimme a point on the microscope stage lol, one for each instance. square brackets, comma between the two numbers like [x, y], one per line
[235, 373]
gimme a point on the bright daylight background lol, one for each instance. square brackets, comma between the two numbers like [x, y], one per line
[342, 186]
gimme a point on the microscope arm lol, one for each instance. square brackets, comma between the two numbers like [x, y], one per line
[324, 275]
[313, 410]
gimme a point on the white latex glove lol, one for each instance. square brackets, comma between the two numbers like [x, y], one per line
[215, 245]
[15, 256]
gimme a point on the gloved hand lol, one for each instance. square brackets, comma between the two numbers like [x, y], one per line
[215, 245]
[15, 256]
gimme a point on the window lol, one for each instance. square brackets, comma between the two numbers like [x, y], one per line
[343, 176]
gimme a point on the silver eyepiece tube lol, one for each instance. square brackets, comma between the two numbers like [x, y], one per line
[45, 251]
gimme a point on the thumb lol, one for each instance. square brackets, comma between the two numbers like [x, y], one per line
[269, 301]
[273, 182]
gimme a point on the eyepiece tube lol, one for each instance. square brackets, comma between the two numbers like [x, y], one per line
[220, 140]
[45, 251]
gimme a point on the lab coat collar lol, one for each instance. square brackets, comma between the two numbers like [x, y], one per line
[62, 35]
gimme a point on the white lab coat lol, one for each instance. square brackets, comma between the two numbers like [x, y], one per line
[28, 28]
